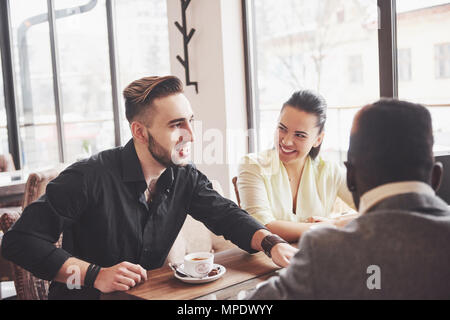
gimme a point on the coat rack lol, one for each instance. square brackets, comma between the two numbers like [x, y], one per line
[186, 38]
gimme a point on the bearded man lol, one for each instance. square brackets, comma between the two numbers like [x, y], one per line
[121, 210]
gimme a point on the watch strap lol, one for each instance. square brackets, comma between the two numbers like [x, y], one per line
[269, 242]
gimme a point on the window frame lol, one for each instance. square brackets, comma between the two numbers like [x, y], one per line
[442, 60]
[6, 51]
[10, 90]
[387, 52]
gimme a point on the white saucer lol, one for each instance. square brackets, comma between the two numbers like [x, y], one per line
[188, 279]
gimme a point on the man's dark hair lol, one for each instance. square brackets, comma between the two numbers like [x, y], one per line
[393, 141]
[310, 102]
[140, 94]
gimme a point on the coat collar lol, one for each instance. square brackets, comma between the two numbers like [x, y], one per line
[415, 202]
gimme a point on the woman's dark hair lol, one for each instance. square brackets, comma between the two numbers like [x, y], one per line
[310, 102]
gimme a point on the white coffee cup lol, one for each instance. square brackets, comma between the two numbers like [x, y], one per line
[198, 264]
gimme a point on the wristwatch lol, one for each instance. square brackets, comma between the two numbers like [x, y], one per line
[269, 241]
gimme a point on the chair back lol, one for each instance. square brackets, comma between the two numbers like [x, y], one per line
[236, 191]
[6, 163]
[36, 184]
[28, 287]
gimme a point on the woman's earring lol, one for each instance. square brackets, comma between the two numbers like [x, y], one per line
[352, 188]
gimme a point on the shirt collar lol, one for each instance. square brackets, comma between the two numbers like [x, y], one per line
[131, 167]
[375, 195]
[132, 170]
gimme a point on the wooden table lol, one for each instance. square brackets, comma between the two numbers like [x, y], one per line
[244, 272]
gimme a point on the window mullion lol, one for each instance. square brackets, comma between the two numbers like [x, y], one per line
[9, 83]
[56, 80]
[387, 47]
[113, 65]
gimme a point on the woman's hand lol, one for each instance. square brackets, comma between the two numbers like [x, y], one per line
[318, 219]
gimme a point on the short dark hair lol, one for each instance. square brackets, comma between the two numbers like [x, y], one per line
[139, 94]
[310, 102]
[393, 141]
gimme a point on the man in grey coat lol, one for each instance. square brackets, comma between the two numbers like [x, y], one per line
[399, 248]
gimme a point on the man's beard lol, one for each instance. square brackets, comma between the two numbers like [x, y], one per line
[158, 152]
[162, 155]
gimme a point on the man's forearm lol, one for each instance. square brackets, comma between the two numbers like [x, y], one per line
[74, 268]
[33, 253]
[258, 237]
[121, 276]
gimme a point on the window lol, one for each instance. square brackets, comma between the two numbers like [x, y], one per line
[80, 72]
[302, 45]
[420, 26]
[442, 53]
[138, 20]
[404, 64]
[85, 79]
[33, 75]
[340, 16]
[355, 69]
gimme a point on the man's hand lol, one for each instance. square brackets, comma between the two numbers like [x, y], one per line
[120, 277]
[282, 253]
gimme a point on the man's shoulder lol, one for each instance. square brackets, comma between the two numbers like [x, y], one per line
[380, 223]
[104, 162]
[191, 177]
[186, 170]
[189, 173]
[327, 241]
[329, 236]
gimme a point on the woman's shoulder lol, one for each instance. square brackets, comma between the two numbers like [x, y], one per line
[327, 168]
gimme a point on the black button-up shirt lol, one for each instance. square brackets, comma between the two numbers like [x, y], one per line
[100, 207]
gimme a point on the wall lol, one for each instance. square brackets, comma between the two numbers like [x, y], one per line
[217, 64]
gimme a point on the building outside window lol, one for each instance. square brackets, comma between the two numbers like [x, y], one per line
[422, 27]
[355, 69]
[404, 65]
[442, 52]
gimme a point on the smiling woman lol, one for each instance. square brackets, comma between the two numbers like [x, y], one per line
[285, 187]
